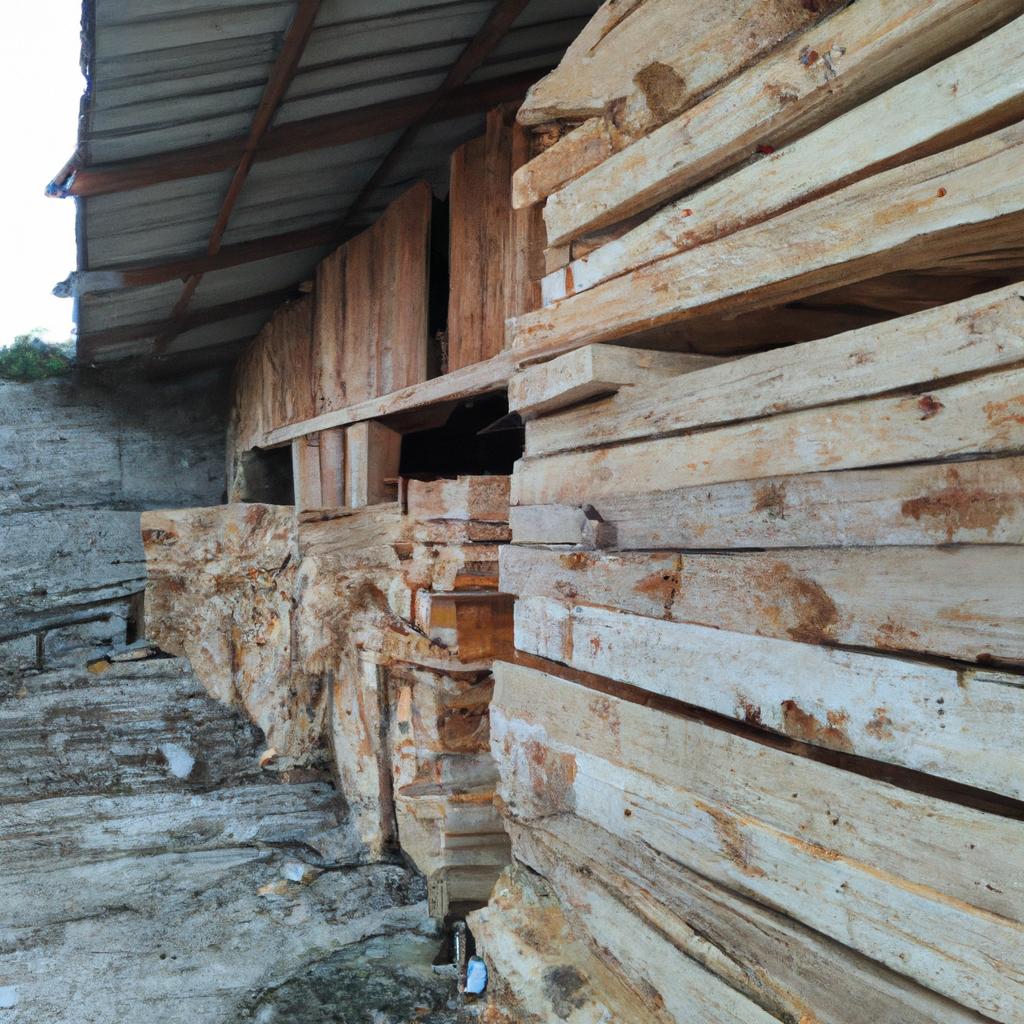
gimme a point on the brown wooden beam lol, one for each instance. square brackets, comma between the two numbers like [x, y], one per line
[302, 136]
[278, 81]
[85, 282]
[91, 344]
[498, 22]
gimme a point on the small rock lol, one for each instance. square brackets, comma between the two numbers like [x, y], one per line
[8, 997]
[179, 761]
[268, 756]
[296, 871]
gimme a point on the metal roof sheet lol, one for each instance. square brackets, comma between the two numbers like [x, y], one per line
[167, 75]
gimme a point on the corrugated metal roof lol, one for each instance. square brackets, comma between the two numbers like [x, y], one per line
[168, 75]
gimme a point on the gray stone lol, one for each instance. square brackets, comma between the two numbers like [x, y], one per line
[79, 462]
[133, 893]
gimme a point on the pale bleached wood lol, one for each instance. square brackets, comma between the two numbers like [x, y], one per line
[476, 379]
[946, 104]
[978, 502]
[961, 201]
[965, 603]
[973, 334]
[963, 725]
[649, 59]
[481, 498]
[528, 938]
[817, 75]
[979, 416]
[593, 371]
[894, 875]
[794, 972]
[573, 154]
[372, 455]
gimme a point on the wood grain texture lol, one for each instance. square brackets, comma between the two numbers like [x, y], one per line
[821, 73]
[984, 331]
[791, 970]
[979, 502]
[841, 854]
[979, 416]
[946, 104]
[934, 719]
[493, 249]
[591, 372]
[962, 603]
[633, 58]
[962, 201]
[370, 317]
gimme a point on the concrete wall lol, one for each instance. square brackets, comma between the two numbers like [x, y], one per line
[79, 460]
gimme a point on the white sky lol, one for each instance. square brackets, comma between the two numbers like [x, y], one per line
[41, 85]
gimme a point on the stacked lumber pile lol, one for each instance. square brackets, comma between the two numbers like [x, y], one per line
[759, 745]
[360, 637]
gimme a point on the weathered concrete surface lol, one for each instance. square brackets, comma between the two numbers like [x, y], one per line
[136, 834]
[78, 462]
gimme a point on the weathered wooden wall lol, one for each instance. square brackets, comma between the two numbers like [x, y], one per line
[495, 251]
[362, 332]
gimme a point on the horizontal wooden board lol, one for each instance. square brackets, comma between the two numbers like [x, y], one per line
[632, 55]
[978, 502]
[944, 105]
[956, 724]
[894, 875]
[594, 371]
[958, 202]
[965, 603]
[977, 333]
[817, 75]
[796, 973]
[979, 416]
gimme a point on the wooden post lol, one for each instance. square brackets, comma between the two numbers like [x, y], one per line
[371, 468]
[306, 471]
[332, 467]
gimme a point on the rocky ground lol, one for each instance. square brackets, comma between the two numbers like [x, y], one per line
[142, 854]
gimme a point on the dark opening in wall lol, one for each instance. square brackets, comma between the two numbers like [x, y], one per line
[437, 295]
[266, 476]
[464, 445]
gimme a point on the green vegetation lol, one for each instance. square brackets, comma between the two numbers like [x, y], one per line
[30, 358]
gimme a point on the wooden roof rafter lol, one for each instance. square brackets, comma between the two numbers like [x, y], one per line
[281, 76]
[499, 21]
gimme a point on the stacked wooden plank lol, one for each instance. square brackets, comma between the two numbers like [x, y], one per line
[759, 744]
[364, 637]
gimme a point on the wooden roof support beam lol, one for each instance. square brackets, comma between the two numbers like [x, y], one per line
[476, 52]
[91, 344]
[280, 78]
[294, 137]
[85, 282]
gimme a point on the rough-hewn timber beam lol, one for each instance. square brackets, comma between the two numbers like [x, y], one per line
[294, 137]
